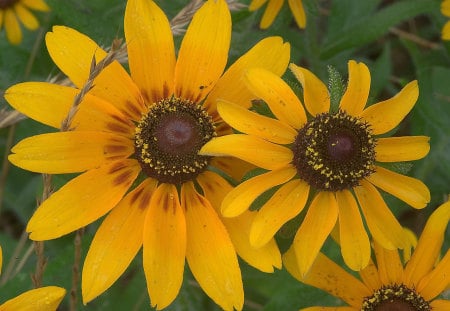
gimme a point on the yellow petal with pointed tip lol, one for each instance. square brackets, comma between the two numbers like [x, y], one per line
[116, 242]
[255, 124]
[209, 251]
[398, 149]
[320, 219]
[240, 198]
[164, 246]
[204, 51]
[264, 258]
[278, 95]
[355, 97]
[251, 149]
[286, 203]
[40, 299]
[151, 51]
[256, 4]
[315, 93]
[382, 224]
[82, 200]
[69, 152]
[298, 11]
[12, 27]
[330, 277]
[384, 116]
[25, 16]
[74, 52]
[428, 247]
[271, 11]
[270, 53]
[410, 190]
[355, 244]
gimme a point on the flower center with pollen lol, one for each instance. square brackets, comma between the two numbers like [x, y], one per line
[333, 152]
[395, 298]
[7, 3]
[168, 138]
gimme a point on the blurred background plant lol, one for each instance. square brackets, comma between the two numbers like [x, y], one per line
[399, 40]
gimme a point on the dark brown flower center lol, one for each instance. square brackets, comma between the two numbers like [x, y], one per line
[7, 3]
[168, 138]
[395, 298]
[333, 152]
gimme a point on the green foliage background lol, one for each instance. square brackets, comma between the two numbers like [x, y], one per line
[398, 40]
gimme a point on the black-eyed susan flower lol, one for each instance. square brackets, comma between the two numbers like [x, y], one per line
[274, 7]
[149, 123]
[13, 11]
[45, 298]
[388, 283]
[445, 9]
[334, 156]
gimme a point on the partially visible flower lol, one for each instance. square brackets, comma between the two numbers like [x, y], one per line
[334, 155]
[40, 299]
[150, 123]
[445, 9]
[388, 283]
[274, 7]
[13, 11]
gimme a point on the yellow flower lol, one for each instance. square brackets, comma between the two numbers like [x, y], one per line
[150, 123]
[388, 284]
[445, 9]
[11, 11]
[40, 299]
[331, 154]
[274, 7]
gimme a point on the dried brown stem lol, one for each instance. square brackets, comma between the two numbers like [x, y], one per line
[76, 269]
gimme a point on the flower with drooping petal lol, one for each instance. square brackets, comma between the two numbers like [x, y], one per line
[445, 9]
[388, 283]
[274, 7]
[151, 123]
[45, 298]
[13, 11]
[333, 156]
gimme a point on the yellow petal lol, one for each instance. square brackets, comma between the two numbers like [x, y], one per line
[371, 277]
[69, 152]
[270, 53]
[240, 198]
[446, 31]
[429, 246]
[435, 283]
[251, 149]
[398, 149]
[82, 200]
[355, 244]
[25, 16]
[445, 7]
[256, 4]
[255, 124]
[298, 12]
[330, 277]
[204, 51]
[410, 190]
[278, 95]
[50, 104]
[38, 5]
[164, 246]
[116, 242]
[390, 267]
[286, 203]
[1, 259]
[440, 305]
[271, 11]
[384, 116]
[151, 52]
[73, 53]
[265, 258]
[40, 299]
[315, 93]
[209, 251]
[355, 97]
[317, 225]
[233, 167]
[382, 224]
[12, 27]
